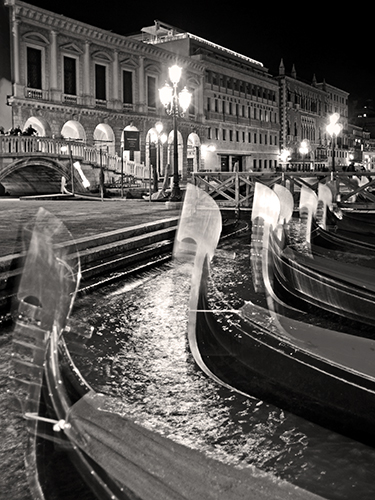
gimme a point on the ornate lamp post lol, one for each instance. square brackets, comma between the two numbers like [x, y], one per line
[175, 105]
[334, 128]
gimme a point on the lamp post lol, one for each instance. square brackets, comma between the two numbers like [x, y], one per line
[175, 105]
[334, 128]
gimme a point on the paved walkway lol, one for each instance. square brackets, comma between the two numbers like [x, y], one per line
[81, 217]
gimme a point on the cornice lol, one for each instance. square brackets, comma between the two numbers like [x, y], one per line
[73, 28]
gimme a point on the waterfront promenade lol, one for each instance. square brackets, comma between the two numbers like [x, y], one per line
[81, 217]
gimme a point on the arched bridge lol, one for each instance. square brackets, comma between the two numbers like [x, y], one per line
[36, 165]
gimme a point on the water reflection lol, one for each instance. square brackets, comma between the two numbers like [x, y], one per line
[139, 353]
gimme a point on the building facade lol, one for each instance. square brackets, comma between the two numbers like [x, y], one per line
[85, 84]
[240, 102]
[72, 80]
[304, 115]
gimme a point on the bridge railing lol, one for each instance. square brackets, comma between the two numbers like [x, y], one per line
[48, 146]
[236, 189]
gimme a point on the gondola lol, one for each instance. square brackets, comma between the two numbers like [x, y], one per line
[325, 376]
[116, 458]
[324, 234]
[345, 289]
[352, 222]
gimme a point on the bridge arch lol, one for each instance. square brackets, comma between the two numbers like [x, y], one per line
[37, 175]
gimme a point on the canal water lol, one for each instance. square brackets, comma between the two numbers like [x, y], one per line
[139, 353]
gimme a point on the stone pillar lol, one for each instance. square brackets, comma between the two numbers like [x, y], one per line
[141, 85]
[88, 98]
[17, 88]
[115, 88]
[55, 94]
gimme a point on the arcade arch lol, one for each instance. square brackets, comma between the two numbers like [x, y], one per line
[73, 130]
[180, 151]
[193, 152]
[155, 151]
[128, 140]
[104, 138]
[41, 126]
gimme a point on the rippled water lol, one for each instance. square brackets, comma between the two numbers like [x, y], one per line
[139, 353]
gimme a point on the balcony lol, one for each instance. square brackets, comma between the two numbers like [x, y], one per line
[37, 94]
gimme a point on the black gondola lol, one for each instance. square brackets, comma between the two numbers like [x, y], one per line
[322, 375]
[117, 458]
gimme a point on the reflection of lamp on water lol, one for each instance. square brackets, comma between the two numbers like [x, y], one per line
[334, 128]
[175, 105]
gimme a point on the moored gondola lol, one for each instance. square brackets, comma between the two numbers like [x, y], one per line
[117, 458]
[309, 273]
[326, 234]
[323, 375]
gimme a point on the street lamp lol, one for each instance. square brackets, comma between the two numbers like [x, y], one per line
[176, 104]
[334, 128]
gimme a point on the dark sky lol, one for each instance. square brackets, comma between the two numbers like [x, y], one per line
[318, 38]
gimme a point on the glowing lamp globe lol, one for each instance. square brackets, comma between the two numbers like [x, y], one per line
[184, 98]
[175, 74]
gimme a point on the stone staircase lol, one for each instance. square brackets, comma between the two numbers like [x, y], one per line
[128, 249]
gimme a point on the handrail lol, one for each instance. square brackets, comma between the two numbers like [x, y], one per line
[61, 148]
[236, 189]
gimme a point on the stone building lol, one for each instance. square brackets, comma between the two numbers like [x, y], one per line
[304, 116]
[240, 101]
[76, 81]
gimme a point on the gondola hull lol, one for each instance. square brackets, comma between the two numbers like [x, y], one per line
[339, 288]
[270, 366]
[339, 242]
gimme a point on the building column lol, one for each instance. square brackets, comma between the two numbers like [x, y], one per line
[115, 87]
[141, 85]
[55, 93]
[17, 89]
[87, 96]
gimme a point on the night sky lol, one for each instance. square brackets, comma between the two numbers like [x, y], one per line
[319, 38]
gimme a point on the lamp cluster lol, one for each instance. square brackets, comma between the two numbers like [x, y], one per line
[334, 128]
[175, 103]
